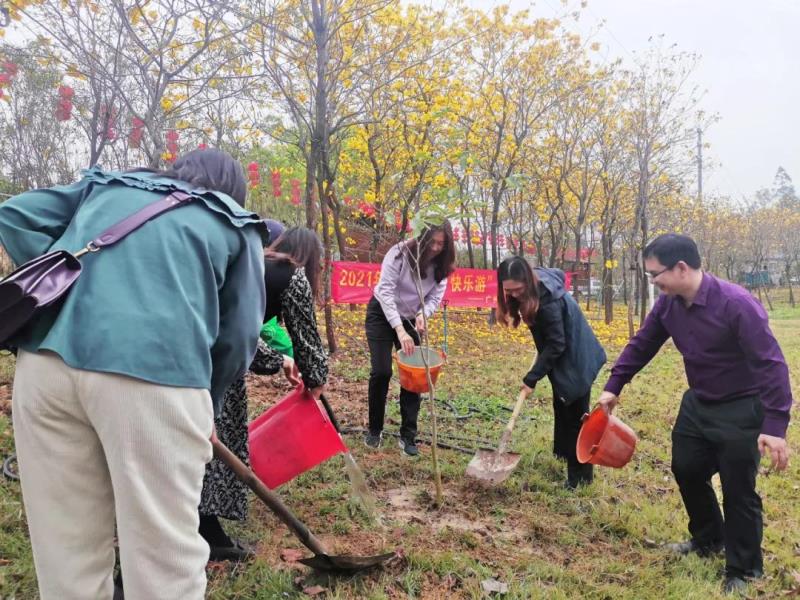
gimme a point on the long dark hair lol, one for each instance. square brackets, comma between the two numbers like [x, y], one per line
[301, 247]
[516, 268]
[211, 169]
[444, 262]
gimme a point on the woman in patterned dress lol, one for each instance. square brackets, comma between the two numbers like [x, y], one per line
[292, 277]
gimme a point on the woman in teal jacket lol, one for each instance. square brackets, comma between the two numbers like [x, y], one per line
[113, 389]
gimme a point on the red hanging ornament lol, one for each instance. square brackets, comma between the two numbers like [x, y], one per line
[367, 209]
[276, 183]
[137, 132]
[172, 145]
[253, 174]
[9, 67]
[64, 104]
[108, 121]
[295, 183]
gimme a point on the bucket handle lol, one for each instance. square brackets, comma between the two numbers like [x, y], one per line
[441, 353]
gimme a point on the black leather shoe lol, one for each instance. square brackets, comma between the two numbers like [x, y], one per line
[734, 585]
[238, 552]
[690, 546]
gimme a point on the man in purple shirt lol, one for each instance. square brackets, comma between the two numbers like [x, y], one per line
[736, 407]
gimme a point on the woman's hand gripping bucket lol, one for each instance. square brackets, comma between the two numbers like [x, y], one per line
[411, 368]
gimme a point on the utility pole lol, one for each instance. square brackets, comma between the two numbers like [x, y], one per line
[699, 165]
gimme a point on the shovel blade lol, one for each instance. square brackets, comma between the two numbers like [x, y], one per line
[345, 564]
[492, 467]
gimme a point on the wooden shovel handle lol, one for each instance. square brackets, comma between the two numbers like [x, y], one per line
[270, 498]
[506, 438]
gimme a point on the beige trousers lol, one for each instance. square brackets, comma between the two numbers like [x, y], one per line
[94, 446]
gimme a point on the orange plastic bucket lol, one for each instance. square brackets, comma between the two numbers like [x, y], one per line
[605, 440]
[411, 368]
[292, 437]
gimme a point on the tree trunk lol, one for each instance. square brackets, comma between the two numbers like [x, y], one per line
[311, 208]
[470, 254]
[330, 326]
[633, 295]
[608, 279]
[624, 281]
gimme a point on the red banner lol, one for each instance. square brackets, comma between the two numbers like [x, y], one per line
[352, 283]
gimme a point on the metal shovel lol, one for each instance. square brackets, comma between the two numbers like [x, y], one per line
[322, 561]
[495, 467]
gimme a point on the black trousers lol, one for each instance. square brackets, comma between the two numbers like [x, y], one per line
[567, 425]
[721, 438]
[381, 338]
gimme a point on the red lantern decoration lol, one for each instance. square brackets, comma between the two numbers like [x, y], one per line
[295, 183]
[137, 131]
[64, 105]
[367, 209]
[276, 183]
[253, 174]
[172, 145]
[10, 68]
[108, 120]
[7, 72]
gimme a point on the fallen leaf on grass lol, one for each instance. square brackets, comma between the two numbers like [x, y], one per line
[314, 590]
[493, 586]
[291, 555]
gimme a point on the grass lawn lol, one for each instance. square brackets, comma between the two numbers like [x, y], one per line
[529, 533]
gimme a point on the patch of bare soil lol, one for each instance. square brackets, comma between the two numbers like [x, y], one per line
[347, 398]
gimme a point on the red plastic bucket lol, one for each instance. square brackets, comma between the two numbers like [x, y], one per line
[411, 368]
[605, 440]
[292, 437]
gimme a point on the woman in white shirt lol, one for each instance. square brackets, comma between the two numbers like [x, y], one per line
[395, 319]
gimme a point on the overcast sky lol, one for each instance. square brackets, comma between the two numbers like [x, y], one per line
[748, 67]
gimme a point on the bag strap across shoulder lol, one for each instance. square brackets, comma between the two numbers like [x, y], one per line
[130, 224]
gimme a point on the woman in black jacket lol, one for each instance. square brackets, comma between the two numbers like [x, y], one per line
[568, 352]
